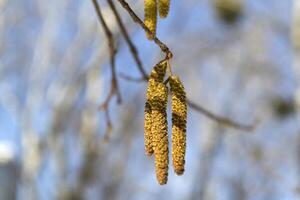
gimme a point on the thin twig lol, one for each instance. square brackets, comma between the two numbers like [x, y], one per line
[131, 78]
[222, 120]
[112, 52]
[114, 89]
[128, 40]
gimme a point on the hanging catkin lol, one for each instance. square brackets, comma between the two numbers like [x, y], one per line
[163, 8]
[179, 116]
[159, 129]
[156, 76]
[150, 9]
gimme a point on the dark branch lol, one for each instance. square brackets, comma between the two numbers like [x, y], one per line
[124, 32]
[114, 88]
[219, 119]
[112, 53]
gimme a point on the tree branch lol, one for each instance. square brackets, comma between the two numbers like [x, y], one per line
[114, 89]
[222, 120]
[128, 40]
[112, 52]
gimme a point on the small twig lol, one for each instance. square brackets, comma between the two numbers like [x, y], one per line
[128, 40]
[136, 19]
[114, 89]
[219, 119]
[130, 78]
[112, 52]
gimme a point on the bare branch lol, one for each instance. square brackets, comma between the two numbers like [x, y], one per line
[131, 78]
[112, 52]
[114, 88]
[222, 120]
[128, 40]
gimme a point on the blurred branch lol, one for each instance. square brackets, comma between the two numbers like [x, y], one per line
[128, 40]
[222, 120]
[131, 78]
[114, 90]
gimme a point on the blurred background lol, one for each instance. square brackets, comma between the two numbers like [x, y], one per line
[237, 58]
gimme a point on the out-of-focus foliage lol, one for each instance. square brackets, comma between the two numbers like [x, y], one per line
[54, 73]
[229, 10]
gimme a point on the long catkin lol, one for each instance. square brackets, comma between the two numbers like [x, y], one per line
[158, 101]
[150, 9]
[179, 116]
[156, 76]
[163, 8]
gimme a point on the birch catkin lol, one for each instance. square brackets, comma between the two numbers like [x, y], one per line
[163, 8]
[158, 102]
[179, 116]
[156, 76]
[150, 9]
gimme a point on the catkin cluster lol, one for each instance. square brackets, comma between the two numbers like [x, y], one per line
[156, 126]
[151, 7]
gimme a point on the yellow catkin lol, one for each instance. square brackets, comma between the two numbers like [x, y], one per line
[150, 20]
[158, 101]
[157, 75]
[179, 116]
[163, 8]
